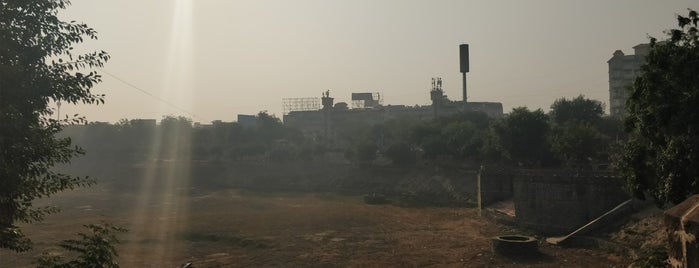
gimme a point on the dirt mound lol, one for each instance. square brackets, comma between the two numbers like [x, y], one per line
[643, 233]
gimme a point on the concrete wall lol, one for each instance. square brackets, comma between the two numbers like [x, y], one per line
[682, 222]
[557, 202]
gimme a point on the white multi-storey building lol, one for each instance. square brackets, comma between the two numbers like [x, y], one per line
[623, 70]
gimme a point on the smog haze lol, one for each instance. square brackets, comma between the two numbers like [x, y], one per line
[211, 60]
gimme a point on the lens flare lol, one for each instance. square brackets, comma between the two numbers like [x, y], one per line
[160, 210]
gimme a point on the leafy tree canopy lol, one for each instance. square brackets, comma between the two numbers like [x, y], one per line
[662, 155]
[38, 67]
[521, 137]
[579, 109]
[579, 143]
[580, 132]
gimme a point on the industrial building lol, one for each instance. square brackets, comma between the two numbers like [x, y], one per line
[332, 119]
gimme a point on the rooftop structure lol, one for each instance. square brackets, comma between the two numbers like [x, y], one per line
[366, 100]
[300, 104]
[329, 122]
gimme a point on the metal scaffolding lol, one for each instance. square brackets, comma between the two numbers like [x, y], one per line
[300, 104]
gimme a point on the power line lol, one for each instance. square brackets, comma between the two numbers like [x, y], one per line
[152, 95]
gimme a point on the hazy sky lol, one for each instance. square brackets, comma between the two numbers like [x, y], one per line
[214, 59]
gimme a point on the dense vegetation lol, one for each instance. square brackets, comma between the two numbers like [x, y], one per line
[661, 157]
[176, 138]
[574, 134]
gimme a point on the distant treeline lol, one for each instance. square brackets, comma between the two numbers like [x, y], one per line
[175, 138]
[575, 133]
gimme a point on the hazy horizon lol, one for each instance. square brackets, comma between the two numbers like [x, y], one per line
[211, 60]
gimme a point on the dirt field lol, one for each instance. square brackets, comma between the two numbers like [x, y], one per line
[233, 228]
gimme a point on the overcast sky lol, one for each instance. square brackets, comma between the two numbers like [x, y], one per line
[214, 59]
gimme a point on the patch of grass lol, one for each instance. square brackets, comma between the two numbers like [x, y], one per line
[326, 196]
[224, 239]
[249, 193]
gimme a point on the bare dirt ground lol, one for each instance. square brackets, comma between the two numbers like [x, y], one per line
[234, 228]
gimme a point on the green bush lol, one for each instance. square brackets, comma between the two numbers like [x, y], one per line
[653, 258]
[95, 249]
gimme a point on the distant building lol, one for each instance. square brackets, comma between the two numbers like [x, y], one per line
[623, 70]
[199, 125]
[247, 120]
[331, 123]
[443, 106]
[143, 123]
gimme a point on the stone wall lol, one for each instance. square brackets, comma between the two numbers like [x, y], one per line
[557, 202]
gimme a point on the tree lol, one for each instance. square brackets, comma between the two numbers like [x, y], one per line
[269, 127]
[460, 136]
[662, 155]
[578, 143]
[38, 67]
[175, 137]
[363, 151]
[579, 131]
[579, 109]
[464, 139]
[521, 137]
[428, 136]
[400, 153]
